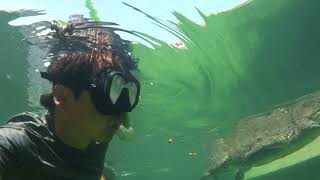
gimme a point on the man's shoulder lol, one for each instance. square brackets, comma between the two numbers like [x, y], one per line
[26, 123]
[21, 127]
[23, 121]
[12, 136]
[25, 117]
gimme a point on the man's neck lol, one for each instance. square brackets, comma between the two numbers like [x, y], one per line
[67, 131]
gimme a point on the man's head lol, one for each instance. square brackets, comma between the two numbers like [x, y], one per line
[90, 89]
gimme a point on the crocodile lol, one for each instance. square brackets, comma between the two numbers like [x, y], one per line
[262, 138]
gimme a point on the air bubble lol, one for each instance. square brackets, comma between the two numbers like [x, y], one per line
[46, 64]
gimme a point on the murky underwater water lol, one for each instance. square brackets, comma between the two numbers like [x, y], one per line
[242, 62]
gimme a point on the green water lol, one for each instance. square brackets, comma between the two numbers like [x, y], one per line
[13, 69]
[242, 62]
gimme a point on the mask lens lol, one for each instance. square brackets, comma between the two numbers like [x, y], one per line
[118, 84]
[116, 88]
[133, 90]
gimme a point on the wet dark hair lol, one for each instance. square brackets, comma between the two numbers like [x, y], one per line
[80, 57]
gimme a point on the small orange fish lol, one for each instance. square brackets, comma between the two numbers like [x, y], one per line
[102, 177]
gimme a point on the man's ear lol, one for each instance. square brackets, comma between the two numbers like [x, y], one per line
[62, 94]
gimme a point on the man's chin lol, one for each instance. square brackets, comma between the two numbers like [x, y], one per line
[105, 139]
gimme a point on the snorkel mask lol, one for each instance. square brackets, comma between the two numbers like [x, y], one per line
[112, 92]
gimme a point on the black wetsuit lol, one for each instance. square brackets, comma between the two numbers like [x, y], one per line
[29, 149]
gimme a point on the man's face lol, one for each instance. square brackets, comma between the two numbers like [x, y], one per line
[95, 125]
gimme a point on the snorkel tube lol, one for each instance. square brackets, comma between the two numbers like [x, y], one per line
[126, 131]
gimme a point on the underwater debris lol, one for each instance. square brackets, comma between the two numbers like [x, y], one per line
[192, 154]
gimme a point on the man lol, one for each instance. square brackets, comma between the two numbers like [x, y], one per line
[92, 91]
